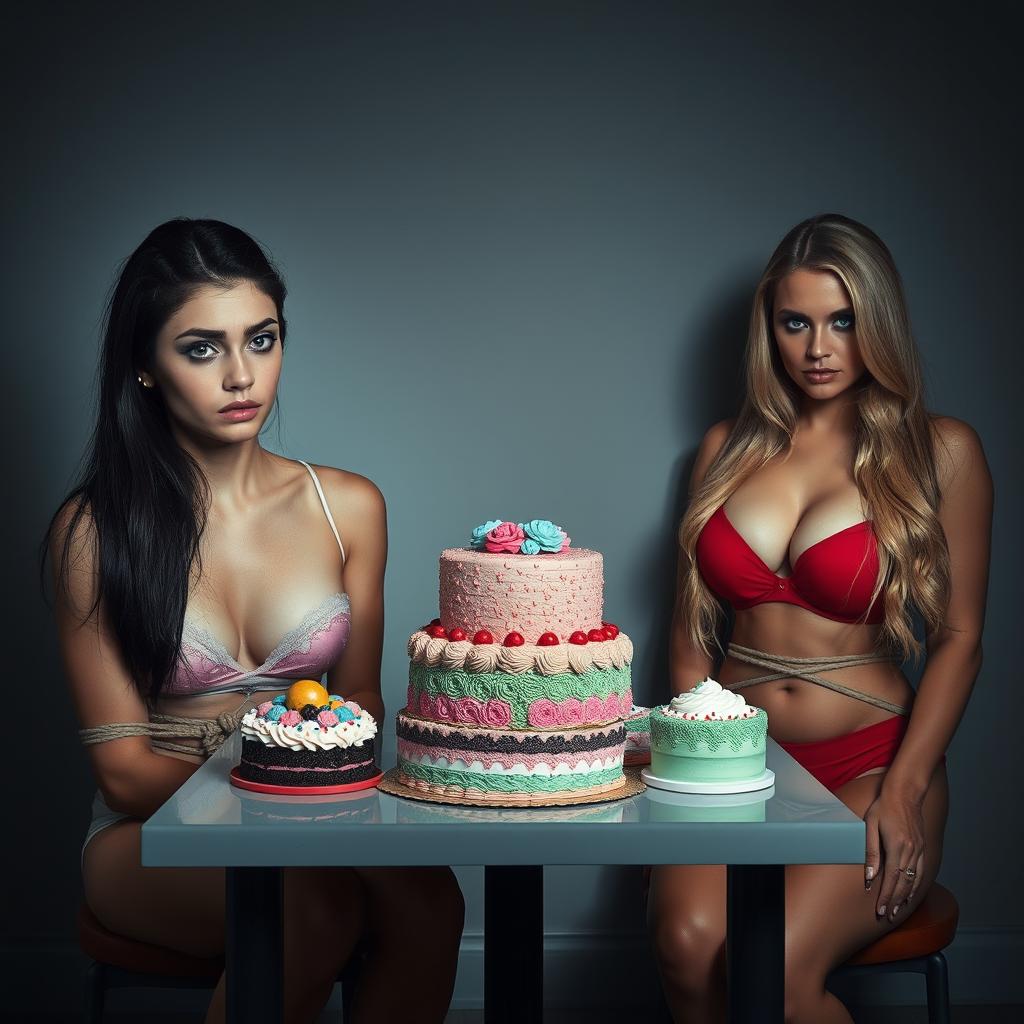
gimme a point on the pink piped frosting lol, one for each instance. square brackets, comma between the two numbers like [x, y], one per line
[467, 709]
[290, 718]
[496, 714]
[263, 708]
[544, 714]
[570, 711]
[327, 719]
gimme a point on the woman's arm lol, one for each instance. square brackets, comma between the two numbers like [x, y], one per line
[954, 650]
[362, 519]
[132, 778]
[894, 822]
[688, 665]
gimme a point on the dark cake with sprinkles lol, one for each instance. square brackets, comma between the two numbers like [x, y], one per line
[307, 738]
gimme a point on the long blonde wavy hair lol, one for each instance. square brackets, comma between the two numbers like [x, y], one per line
[894, 461]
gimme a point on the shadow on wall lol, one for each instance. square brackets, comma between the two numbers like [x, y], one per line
[710, 385]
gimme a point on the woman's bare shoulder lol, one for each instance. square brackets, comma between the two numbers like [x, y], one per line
[957, 447]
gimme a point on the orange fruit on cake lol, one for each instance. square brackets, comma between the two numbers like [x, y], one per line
[303, 692]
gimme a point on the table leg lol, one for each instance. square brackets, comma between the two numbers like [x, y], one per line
[252, 956]
[513, 944]
[755, 943]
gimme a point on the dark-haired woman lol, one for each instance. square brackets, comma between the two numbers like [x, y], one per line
[832, 505]
[197, 574]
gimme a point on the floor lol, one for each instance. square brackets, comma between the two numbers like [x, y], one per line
[869, 1015]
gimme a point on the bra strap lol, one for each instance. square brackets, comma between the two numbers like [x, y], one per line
[787, 667]
[327, 511]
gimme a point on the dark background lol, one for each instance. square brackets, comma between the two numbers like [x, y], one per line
[521, 242]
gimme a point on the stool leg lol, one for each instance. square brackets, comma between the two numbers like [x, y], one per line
[938, 989]
[95, 995]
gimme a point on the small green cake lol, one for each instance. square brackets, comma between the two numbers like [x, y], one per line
[708, 734]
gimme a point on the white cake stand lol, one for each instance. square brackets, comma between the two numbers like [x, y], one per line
[713, 788]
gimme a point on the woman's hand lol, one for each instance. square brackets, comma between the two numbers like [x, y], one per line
[895, 842]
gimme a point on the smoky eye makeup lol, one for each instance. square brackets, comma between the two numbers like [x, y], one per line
[792, 322]
[204, 351]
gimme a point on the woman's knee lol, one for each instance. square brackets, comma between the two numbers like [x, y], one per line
[440, 906]
[690, 952]
[406, 903]
[325, 907]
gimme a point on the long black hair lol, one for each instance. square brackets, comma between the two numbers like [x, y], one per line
[147, 497]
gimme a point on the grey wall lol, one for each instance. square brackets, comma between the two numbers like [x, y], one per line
[521, 242]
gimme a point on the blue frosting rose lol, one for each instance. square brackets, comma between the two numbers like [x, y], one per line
[547, 536]
[529, 547]
[274, 712]
[480, 533]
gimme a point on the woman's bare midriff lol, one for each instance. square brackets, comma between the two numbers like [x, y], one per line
[800, 711]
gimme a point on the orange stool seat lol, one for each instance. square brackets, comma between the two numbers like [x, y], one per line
[105, 947]
[928, 929]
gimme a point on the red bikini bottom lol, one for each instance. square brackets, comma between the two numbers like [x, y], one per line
[836, 761]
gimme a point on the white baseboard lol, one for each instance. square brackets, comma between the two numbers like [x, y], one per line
[595, 970]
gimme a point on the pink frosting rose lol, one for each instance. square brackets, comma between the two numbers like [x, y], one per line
[352, 706]
[444, 708]
[290, 718]
[505, 537]
[264, 708]
[467, 709]
[570, 711]
[327, 719]
[496, 714]
[543, 714]
[593, 709]
[611, 706]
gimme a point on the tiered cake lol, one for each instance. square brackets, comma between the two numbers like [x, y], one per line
[518, 691]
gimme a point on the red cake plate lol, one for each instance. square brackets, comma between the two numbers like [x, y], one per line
[268, 787]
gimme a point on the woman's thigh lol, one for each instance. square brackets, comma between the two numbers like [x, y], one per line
[178, 908]
[183, 908]
[829, 915]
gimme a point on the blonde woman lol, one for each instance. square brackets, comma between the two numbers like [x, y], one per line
[827, 510]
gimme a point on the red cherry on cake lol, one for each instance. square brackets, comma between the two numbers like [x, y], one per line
[547, 640]
[597, 635]
[514, 640]
[610, 629]
[579, 637]
[457, 634]
[481, 636]
[437, 631]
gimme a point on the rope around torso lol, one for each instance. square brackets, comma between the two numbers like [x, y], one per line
[784, 666]
[162, 729]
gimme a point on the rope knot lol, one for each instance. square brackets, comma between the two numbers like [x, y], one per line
[216, 730]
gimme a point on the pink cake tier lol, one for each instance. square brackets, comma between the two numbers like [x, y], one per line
[559, 592]
[508, 768]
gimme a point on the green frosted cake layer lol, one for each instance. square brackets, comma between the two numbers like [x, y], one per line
[686, 751]
[493, 782]
[521, 690]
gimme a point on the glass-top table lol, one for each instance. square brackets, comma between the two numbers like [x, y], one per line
[210, 823]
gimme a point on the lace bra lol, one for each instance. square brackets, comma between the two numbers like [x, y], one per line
[832, 578]
[306, 651]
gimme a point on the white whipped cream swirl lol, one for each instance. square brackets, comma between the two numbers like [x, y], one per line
[709, 701]
[309, 735]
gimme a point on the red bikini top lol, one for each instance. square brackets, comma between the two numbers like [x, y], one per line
[832, 578]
